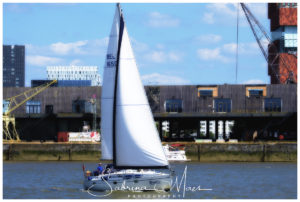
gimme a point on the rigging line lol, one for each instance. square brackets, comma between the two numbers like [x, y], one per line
[121, 29]
[237, 44]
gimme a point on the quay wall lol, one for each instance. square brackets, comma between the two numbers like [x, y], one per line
[202, 152]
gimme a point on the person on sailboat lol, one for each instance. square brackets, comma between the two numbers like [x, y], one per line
[99, 170]
[108, 169]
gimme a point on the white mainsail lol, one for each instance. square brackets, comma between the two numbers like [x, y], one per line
[108, 86]
[137, 142]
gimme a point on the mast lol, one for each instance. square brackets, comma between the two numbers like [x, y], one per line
[107, 94]
[116, 84]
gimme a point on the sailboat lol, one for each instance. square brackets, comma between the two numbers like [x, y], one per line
[129, 135]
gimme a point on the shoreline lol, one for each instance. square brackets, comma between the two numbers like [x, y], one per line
[197, 152]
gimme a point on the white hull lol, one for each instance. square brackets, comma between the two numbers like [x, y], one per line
[129, 180]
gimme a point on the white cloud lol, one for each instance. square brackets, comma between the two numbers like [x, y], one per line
[211, 54]
[16, 7]
[75, 62]
[209, 38]
[226, 13]
[160, 79]
[175, 57]
[157, 19]
[83, 47]
[224, 9]
[230, 47]
[160, 46]
[95, 47]
[216, 10]
[100, 42]
[66, 48]
[244, 48]
[156, 56]
[138, 46]
[208, 18]
[163, 56]
[254, 81]
[38, 60]
[35, 50]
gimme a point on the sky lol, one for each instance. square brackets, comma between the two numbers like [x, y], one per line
[173, 43]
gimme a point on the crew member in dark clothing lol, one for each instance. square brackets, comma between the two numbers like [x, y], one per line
[109, 169]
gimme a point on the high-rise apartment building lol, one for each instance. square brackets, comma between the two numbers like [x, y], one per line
[74, 75]
[283, 25]
[13, 66]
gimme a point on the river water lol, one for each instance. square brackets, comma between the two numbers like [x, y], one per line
[63, 180]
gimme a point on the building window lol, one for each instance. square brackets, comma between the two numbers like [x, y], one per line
[173, 105]
[33, 107]
[287, 5]
[222, 104]
[272, 104]
[49, 109]
[206, 93]
[5, 106]
[256, 92]
[78, 106]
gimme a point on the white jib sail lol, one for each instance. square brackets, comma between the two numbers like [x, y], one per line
[107, 97]
[137, 139]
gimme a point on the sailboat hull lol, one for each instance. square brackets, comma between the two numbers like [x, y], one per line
[129, 180]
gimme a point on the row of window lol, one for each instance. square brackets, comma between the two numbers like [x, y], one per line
[172, 105]
[78, 106]
[252, 93]
[287, 5]
[224, 105]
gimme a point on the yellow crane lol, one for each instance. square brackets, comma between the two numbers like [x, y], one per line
[9, 122]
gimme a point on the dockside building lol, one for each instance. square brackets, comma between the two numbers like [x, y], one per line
[268, 110]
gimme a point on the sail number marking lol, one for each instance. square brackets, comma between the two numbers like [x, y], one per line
[110, 61]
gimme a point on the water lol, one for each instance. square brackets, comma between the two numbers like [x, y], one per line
[63, 180]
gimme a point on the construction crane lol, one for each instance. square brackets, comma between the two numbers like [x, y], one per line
[12, 103]
[261, 35]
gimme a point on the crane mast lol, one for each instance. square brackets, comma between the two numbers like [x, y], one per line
[260, 35]
[9, 123]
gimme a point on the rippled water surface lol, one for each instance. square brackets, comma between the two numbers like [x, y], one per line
[63, 180]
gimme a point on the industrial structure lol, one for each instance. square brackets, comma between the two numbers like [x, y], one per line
[74, 75]
[281, 50]
[268, 110]
[12, 103]
[13, 66]
[283, 26]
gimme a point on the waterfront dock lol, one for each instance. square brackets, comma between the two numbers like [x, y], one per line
[201, 152]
